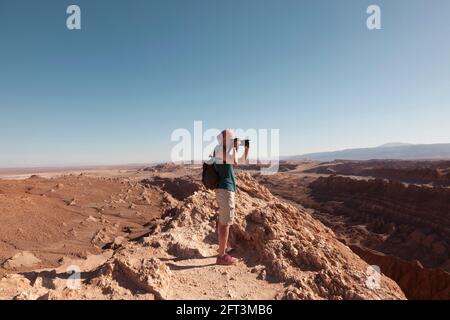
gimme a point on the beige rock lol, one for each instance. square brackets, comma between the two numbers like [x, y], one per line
[21, 259]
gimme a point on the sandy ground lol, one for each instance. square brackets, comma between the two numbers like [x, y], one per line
[71, 214]
[219, 283]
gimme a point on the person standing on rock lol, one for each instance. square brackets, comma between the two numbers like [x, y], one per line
[225, 159]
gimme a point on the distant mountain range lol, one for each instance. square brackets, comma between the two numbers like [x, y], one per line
[394, 150]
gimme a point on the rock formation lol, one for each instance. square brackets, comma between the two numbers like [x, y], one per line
[276, 241]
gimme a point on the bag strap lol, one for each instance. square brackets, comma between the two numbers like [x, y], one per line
[224, 148]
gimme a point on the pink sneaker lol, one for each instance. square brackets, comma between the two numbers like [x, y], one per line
[226, 260]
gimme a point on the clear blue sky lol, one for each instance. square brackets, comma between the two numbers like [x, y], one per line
[113, 92]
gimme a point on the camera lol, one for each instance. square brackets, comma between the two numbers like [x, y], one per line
[245, 142]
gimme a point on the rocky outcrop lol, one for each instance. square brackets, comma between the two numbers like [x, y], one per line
[178, 188]
[163, 167]
[436, 173]
[416, 216]
[281, 242]
[295, 248]
[416, 281]
[139, 271]
[20, 260]
[407, 228]
[299, 250]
